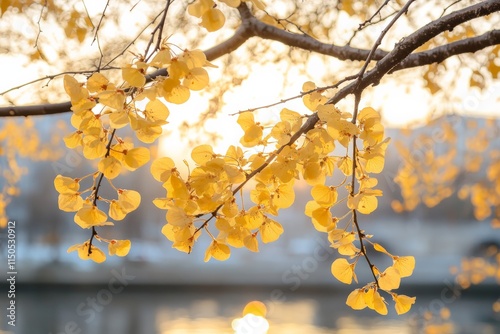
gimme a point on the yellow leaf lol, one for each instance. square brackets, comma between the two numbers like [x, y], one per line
[324, 196]
[345, 165]
[96, 254]
[112, 98]
[74, 89]
[129, 200]
[213, 19]
[402, 303]
[343, 270]
[270, 231]
[73, 140]
[202, 154]
[156, 110]
[93, 147]
[404, 264]
[110, 167]
[70, 202]
[89, 215]
[136, 157]
[196, 79]
[98, 83]
[116, 211]
[314, 99]
[174, 92]
[119, 247]
[356, 299]
[253, 131]
[218, 251]
[198, 8]
[162, 168]
[389, 279]
[162, 58]
[251, 243]
[177, 217]
[134, 76]
[64, 184]
[118, 119]
[381, 249]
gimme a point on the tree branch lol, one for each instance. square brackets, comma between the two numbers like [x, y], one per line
[442, 52]
[397, 59]
[402, 50]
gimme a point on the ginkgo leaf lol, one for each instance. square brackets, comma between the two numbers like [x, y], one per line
[110, 167]
[202, 154]
[218, 251]
[345, 165]
[129, 200]
[70, 202]
[95, 255]
[64, 184]
[198, 8]
[312, 100]
[93, 147]
[253, 131]
[379, 304]
[251, 243]
[119, 247]
[343, 270]
[116, 211]
[146, 131]
[196, 79]
[162, 168]
[112, 98]
[389, 279]
[136, 157]
[324, 196]
[270, 231]
[177, 217]
[155, 110]
[90, 215]
[174, 92]
[402, 303]
[213, 19]
[98, 83]
[356, 299]
[134, 76]
[74, 89]
[381, 249]
[404, 264]
[118, 119]
[73, 140]
[162, 58]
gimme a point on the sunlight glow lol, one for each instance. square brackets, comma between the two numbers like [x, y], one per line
[250, 324]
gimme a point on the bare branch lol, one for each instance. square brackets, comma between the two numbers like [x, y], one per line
[441, 53]
[397, 59]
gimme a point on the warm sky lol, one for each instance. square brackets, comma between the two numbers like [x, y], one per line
[398, 105]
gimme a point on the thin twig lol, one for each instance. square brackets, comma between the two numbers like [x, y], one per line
[302, 94]
[95, 192]
[367, 22]
[100, 22]
[159, 29]
[38, 23]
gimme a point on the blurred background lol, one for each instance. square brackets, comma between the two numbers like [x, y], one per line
[157, 289]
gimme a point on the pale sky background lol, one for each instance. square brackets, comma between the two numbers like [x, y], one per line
[399, 107]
